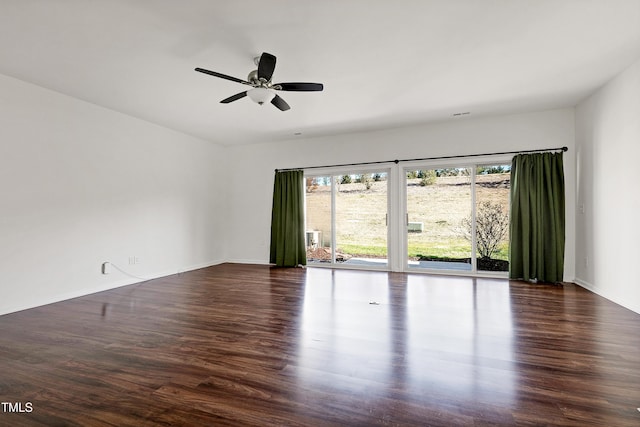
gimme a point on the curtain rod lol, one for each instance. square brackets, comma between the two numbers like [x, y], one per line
[426, 158]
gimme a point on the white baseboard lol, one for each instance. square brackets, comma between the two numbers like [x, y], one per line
[38, 302]
[130, 281]
[248, 261]
[188, 268]
[593, 288]
[587, 285]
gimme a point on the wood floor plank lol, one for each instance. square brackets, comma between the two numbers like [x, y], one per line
[254, 345]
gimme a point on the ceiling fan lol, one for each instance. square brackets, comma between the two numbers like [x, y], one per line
[263, 90]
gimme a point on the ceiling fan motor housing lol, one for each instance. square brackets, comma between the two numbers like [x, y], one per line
[253, 77]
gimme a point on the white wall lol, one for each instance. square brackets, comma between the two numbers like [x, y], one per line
[251, 178]
[608, 154]
[80, 184]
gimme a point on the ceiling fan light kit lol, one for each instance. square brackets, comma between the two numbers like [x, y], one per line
[263, 89]
[260, 95]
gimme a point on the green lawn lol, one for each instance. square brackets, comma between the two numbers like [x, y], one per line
[361, 229]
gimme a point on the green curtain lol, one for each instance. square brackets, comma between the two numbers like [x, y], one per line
[537, 224]
[287, 220]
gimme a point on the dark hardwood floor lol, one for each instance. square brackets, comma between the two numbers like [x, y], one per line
[254, 345]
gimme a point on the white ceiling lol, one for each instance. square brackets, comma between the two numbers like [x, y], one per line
[383, 63]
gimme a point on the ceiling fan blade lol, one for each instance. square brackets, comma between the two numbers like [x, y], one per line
[266, 66]
[223, 76]
[280, 103]
[234, 97]
[301, 87]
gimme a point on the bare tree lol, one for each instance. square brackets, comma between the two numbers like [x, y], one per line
[367, 180]
[492, 225]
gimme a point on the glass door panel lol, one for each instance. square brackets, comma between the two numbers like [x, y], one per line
[318, 219]
[493, 183]
[361, 202]
[438, 206]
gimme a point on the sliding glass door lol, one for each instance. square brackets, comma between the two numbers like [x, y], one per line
[492, 187]
[451, 218]
[457, 218]
[361, 219]
[347, 218]
[319, 220]
[439, 203]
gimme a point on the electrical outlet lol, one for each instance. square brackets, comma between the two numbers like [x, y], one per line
[106, 267]
[134, 260]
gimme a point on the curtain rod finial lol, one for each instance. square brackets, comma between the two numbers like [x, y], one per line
[565, 149]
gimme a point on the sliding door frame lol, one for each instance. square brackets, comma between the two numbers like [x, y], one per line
[456, 163]
[401, 228]
[357, 170]
[397, 254]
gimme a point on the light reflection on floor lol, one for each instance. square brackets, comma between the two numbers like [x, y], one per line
[430, 336]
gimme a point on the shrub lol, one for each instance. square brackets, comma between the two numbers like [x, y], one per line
[366, 180]
[492, 225]
[346, 179]
[428, 177]
[311, 184]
